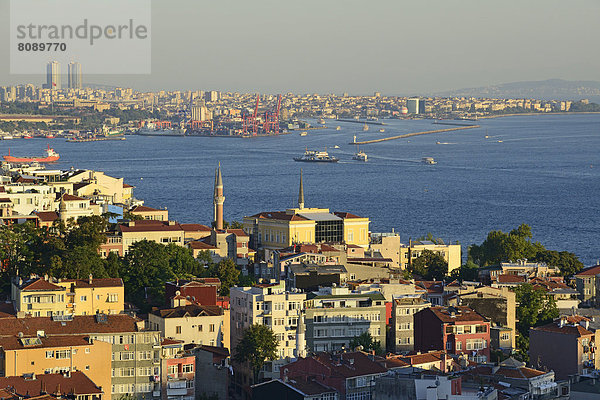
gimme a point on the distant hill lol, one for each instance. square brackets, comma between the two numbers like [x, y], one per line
[551, 89]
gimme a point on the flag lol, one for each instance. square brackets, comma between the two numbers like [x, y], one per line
[53, 84]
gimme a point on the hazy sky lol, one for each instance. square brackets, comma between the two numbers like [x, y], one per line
[392, 46]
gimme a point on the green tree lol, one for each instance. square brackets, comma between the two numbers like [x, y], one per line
[228, 273]
[568, 263]
[535, 308]
[430, 238]
[145, 270]
[500, 247]
[258, 344]
[466, 272]
[430, 265]
[367, 342]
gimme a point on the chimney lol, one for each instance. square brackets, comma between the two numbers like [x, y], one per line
[131, 223]
[90, 278]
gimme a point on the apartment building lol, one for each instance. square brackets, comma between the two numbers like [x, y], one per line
[178, 372]
[47, 296]
[267, 304]
[196, 324]
[74, 386]
[458, 330]
[134, 352]
[402, 327]
[567, 346]
[58, 354]
[334, 316]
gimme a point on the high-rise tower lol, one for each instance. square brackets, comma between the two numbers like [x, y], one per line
[75, 75]
[53, 75]
[219, 199]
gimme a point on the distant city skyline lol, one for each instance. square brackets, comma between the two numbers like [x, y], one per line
[388, 46]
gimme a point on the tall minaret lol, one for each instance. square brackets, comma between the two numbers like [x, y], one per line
[301, 193]
[215, 198]
[219, 199]
[300, 338]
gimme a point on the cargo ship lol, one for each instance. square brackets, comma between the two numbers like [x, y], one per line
[51, 156]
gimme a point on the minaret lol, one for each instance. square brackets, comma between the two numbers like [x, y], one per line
[215, 198]
[62, 209]
[300, 338]
[301, 193]
[219, 199]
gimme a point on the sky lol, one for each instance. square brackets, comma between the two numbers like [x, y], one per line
[395, 47]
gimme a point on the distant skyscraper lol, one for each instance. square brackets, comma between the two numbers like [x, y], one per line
[415, 106]
[74, 75]
[53, 75]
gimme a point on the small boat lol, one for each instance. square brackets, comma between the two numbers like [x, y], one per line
[487, 136]
[428, 160]
[49, 136]
[365, 127]
[336, 147]
[27, 137]
[499, 141]
[321, 121]
[303, 133]
[316, 156]
[360, 156]
[338, 128]
[382, 130]
[8, 137]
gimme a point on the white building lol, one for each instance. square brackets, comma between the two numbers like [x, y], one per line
[268, 304]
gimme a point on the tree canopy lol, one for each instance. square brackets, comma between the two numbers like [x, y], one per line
[367, 342]
[517, 244]
[430, 265]
[258, 344]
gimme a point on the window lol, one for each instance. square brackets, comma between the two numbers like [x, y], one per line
[112, 298]
[187, 368]
[211, 328]
[144, 355]
[50, 354]
[200, 326]
[467, 328]
[481, 329]
[62, 354]
[505, 336]
[448, 345]
[87, 350]
[173, 370]
[127, 356]
[178, 329]
[404, 326]
[128, 371]
[83, 298]
[458, 345]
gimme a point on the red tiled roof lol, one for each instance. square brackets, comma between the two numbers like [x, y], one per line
[96, 282]
[195, 228]
[70, 197]
[15, 343]
[190, 310]
[346, 215]
[462, 314]
[595, 270]
[168, 342]
[351, 365]
[81, 324]
[280, 215]
[200, 245]
[237, 232]
[510, 278]
[39, 284]
[77, 383]
[47, 216]
[153, 226]
[126, 186]
[575, 330]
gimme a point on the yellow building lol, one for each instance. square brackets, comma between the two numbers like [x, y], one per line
[56, 354]
[41, 297]
[150, 213]
[281, 229]
[450, 252]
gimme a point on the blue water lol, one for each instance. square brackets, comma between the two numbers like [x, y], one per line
[545, 172]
